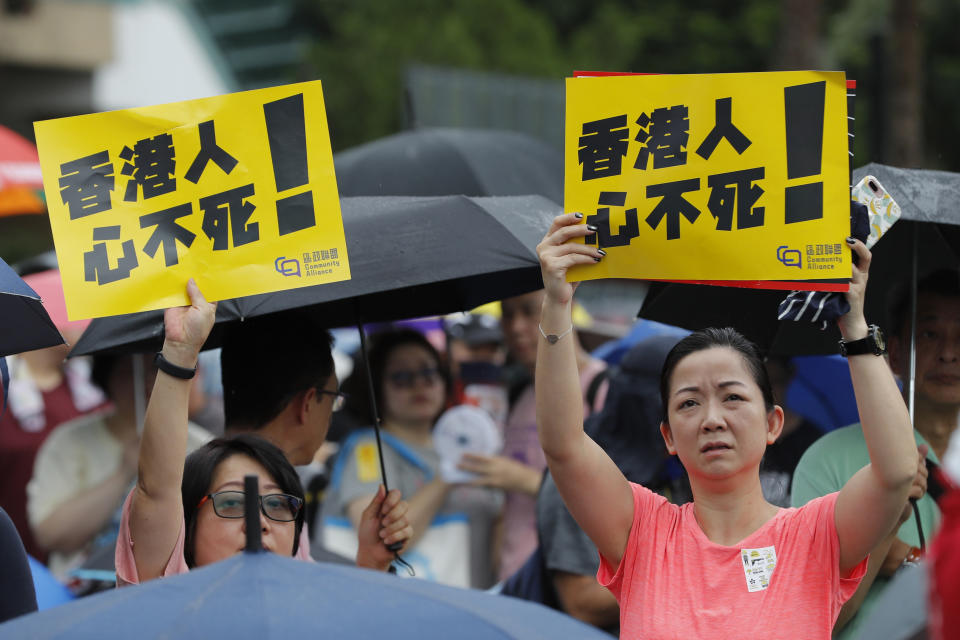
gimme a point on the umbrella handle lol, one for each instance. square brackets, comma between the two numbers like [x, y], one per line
[396, 546]
[916, 516]
[251, 513]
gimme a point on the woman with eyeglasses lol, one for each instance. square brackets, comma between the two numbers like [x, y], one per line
[452, 524]
[186, 514]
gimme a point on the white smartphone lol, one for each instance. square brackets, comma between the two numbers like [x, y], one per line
[883, 209]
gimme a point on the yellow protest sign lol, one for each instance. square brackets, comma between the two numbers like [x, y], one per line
[236, 191]
[739, 176]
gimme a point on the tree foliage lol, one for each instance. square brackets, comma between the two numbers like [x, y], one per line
[364, 46]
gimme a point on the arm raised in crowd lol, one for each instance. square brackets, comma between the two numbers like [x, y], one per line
[156, 512]
[593, 488]
[871, 502]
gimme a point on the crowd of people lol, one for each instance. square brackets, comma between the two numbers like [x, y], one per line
[669, 494]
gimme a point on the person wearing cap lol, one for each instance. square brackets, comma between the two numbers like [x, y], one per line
[473, 337]
[475, 355]
[518, 470]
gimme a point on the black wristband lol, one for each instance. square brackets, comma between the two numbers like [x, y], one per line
[171, 369]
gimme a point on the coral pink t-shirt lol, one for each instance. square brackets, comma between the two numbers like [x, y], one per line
[126, 566]
[782, 581]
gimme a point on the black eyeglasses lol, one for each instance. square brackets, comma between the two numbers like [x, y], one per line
[406, 379]
[339, 398]
[280, 507]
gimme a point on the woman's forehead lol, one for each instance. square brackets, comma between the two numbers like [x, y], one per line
[712, 365]
[409, 352]
[230, 472]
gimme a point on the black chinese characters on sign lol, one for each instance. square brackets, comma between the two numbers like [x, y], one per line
[735, 197]
[149, 168]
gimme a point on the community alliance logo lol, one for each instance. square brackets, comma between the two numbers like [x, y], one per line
[790, 257]
[287, 266]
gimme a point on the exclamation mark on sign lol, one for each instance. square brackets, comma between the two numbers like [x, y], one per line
[288, 150]
[804, 106]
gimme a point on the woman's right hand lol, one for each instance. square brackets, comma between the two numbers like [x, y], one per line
[557, 254]
[187, 328]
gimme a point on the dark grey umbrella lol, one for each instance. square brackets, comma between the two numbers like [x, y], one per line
[926, 238]
[24, 323]
[928, 230]
[408, 256]
[435, 162]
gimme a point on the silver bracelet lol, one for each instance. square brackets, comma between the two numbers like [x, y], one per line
[553, 338]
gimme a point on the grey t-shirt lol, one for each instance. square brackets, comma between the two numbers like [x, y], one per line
[564, 545]
[356, 474]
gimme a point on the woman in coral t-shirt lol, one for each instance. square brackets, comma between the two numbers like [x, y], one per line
[729, 564]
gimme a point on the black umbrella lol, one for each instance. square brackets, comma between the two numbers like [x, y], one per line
[408, 256]
[928, 230]
[434, 162]
[24, 323]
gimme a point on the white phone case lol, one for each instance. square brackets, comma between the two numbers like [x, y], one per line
[884, 211]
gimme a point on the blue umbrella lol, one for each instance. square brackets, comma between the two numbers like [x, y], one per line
[264, 595]
[24, 324]
[50, 591]
[822, 392]
[611, 352]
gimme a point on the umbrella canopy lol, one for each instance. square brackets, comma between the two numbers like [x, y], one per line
[929, 229]
[24, 229]
[20, 180]
[50, 288]
[434, 162]
[264, 595]
[408, 257]
[24, 324]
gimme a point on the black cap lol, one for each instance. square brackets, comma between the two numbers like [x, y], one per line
[474, 329]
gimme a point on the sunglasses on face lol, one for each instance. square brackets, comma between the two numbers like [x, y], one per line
[280, 507]
[405, 379]
[339, 398]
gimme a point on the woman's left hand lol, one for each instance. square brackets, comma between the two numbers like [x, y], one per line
[382, 523]
[853, 325]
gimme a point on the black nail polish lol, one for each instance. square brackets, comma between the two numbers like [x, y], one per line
[591, 227]
[601, 252]
[851, 240]
[596, 259]
[578, 215]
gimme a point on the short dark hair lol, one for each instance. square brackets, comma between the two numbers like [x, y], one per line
[943, 282]
[714, 337]
[266, 361]
[200, 466]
